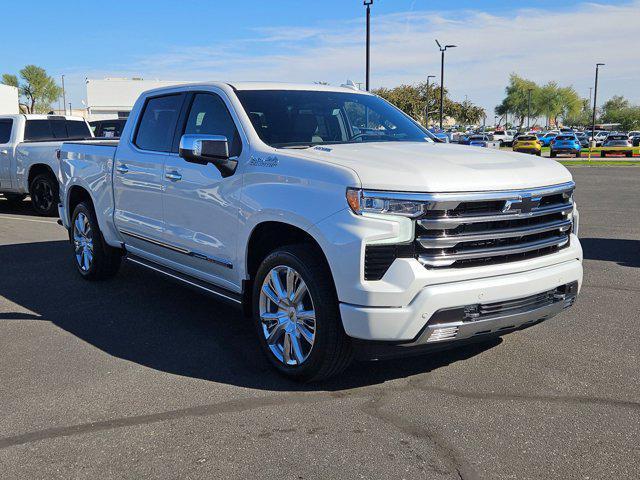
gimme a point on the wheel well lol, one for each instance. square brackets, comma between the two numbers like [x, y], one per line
[265, 238]
[77, 195]
[37, 169]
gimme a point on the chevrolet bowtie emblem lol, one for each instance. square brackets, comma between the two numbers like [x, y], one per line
[524, 205]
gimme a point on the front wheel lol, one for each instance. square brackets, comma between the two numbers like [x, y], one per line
[44, 194]
[93, 258]
[296, 313]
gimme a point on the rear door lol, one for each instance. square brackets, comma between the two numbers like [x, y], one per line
[139, 172]
[6, 153]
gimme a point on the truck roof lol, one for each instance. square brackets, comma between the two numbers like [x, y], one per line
[41, 116]
[263, 86]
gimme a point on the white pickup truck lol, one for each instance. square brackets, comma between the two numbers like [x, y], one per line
[330, 216]
[28, 161]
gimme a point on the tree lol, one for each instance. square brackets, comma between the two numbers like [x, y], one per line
[516, 101]
[37, 89]
[618, 110]
[412, 99]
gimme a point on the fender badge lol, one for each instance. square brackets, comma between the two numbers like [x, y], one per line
[269, 162]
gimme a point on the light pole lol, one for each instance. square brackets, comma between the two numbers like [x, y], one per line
[426, 109]
[442, 50]
[368, 3]
[590, 92]
[529, 109]
[595, 102]
[64, 97]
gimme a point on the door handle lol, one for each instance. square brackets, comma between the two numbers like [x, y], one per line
[174, 176]
[122, 168]
[4, 152]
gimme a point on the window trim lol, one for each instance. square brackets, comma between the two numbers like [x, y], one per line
[134, 138]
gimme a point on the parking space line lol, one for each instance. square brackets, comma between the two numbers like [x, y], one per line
[11, 217]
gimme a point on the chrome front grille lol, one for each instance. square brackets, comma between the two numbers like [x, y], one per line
[461, 230]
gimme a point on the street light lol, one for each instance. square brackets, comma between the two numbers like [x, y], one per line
[426, 109]
[529, 108]
[442, 50]
[64, 97]
[595, 102]
[368, 3]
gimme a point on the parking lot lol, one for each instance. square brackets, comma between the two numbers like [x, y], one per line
[139, 376]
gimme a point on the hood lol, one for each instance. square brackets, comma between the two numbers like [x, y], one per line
[438, 167]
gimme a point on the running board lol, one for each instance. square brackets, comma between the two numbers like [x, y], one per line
[219, 292]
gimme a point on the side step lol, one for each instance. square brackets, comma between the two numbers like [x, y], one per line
[218, 292]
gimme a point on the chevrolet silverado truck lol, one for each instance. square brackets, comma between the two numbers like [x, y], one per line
[329, 216]
[28, 162]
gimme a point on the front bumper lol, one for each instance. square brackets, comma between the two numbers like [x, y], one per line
[411, 323]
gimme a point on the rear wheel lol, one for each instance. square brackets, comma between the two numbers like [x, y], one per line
[602, 154]
[578, 154]
[93, 258]
[297, 318]
[44, 194]
[539, 153]
[552, 154]
[629, 154]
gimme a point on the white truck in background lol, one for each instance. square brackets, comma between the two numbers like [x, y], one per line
[331, 217]
[28, 156]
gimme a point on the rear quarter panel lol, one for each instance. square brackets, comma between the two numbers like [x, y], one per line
[34, 153]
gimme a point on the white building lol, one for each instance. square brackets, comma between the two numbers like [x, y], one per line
[8, 100]
[114, 97]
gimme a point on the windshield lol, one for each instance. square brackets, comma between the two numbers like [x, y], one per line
[297, 118]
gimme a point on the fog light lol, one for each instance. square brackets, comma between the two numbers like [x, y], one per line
[440, 334]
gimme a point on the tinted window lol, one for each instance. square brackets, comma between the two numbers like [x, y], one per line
[76, 129]
[565, 137]
[209, 116]
[5, 130]
[55, 129]
[527, 138]
[158, 122]
[300, 118]
[37, 131]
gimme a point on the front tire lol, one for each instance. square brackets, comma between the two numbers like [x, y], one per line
[296, 314]
[93, 258]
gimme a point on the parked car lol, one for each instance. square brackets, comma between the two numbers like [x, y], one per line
[334, 242]
[583, 138]
[617, 143]
[479, 140]
[547, 138]
[565, 143]
[28, 161]
[600, 137]
[527, 144]
[108, 128]
[505, 138]
[634, 138]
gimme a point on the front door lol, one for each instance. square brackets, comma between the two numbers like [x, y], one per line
[200, 206]
[139, 173]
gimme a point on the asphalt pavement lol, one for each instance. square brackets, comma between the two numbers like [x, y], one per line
[140, 377]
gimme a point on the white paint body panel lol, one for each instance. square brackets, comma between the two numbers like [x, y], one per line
[305, 188]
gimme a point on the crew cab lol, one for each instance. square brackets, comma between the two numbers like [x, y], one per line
[333, 219]
[28, 163]
[504, 137]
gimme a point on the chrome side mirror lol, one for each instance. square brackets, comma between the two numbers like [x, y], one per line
[204, 149]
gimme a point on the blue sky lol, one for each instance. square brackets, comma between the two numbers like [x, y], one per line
[323, 40]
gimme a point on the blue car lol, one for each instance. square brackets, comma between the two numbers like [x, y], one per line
[566, 143]
[547, 138]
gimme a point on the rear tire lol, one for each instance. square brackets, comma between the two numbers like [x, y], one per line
[602, 154]
[283, 331]
[93, 258]
[539, 153]
[578, 154]
[43, 190]
[629, 154]
[552, 154]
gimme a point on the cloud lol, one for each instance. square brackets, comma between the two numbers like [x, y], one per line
[542, 45]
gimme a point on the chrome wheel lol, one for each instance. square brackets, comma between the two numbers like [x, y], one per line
[287, 315]
[83, 242]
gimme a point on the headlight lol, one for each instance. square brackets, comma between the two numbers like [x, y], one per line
[575, 219]
[387, 203]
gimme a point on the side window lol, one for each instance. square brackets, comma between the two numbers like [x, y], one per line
[77, 129]
[158, 122]
[209, 116]
[5, 130]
